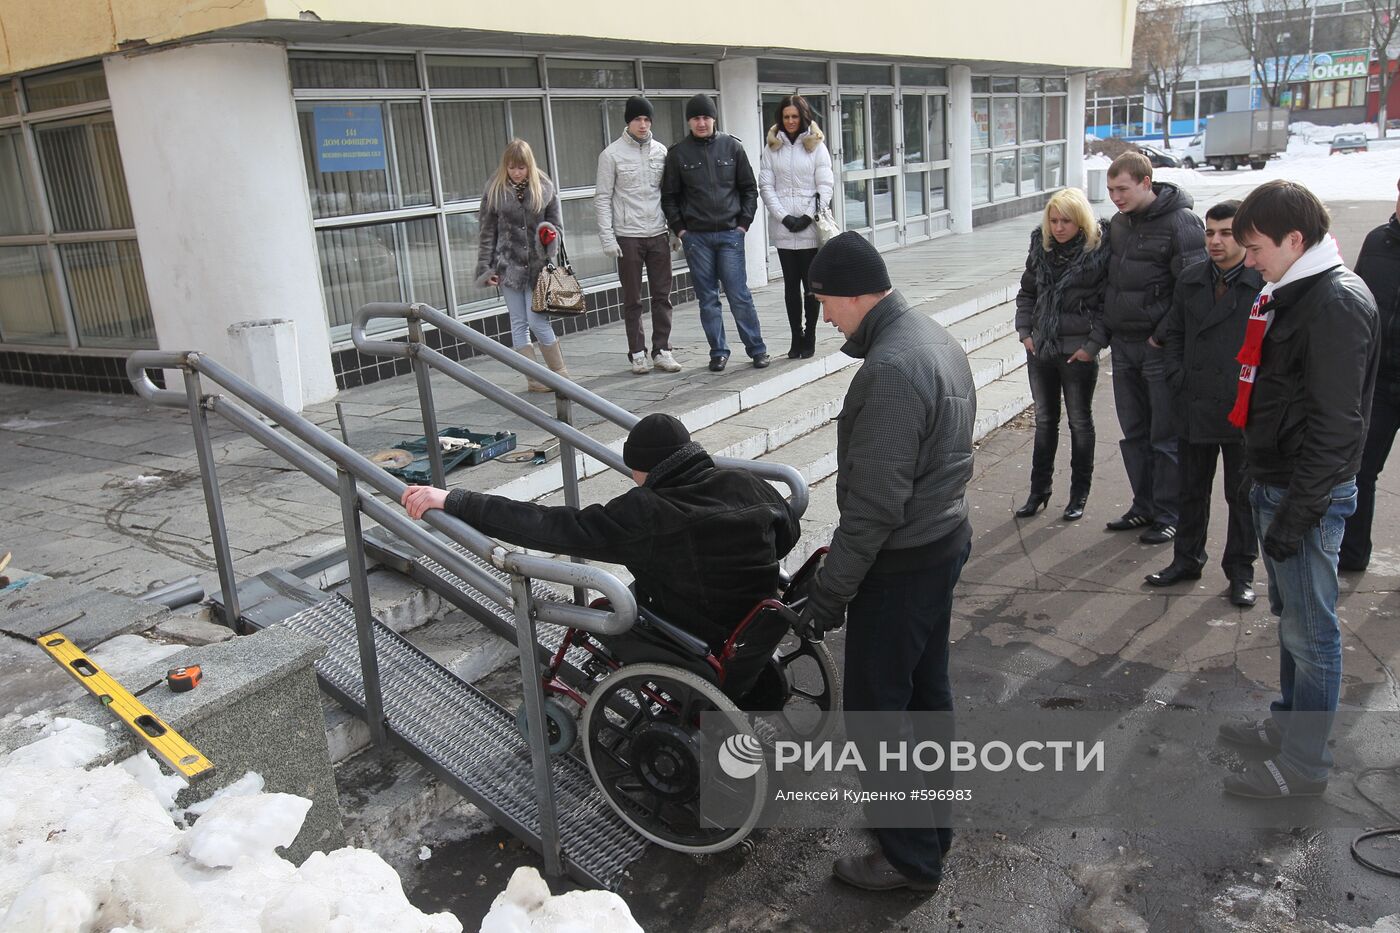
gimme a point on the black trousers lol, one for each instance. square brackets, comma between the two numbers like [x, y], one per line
[1197, 466]
[1050, 380]
[795, 263]
[1380, 435]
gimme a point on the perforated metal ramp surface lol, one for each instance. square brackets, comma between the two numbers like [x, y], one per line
[471, 742]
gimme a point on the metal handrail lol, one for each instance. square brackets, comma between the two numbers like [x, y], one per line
[418, 313]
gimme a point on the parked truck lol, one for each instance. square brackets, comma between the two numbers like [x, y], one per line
[1239, 137]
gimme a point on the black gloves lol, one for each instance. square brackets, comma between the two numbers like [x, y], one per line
[1283, 539]
[824, 612]
[803, 223]
[792, 222]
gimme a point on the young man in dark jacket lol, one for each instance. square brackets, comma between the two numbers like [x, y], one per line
[1379, 267]
[710, 196]
[1308, 369]
[1201, 335]
[1152, 238]
[701, 542]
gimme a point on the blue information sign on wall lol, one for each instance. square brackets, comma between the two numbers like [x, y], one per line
[349, 139]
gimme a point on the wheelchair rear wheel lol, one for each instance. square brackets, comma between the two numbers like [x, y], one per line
[811, 689]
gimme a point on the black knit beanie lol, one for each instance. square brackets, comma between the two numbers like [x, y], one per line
[654, 438]
[701, 106]
[848, 266]
[637, 107]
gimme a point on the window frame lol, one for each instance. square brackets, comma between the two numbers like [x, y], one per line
[1022, 148]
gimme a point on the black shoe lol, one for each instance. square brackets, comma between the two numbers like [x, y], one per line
[1159, 533]
[809, 343]
[761, 361]
[1174, 573]
[1260, 733]
[1271, 780]
[795, 351]
[717, 363]
[1035, 503]
[1128, 522]
[1241, 594]
[1074, 511]
[873, 872]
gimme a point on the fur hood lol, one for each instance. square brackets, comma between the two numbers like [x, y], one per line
[811, 137]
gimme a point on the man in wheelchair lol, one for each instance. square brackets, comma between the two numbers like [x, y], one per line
[702, 544]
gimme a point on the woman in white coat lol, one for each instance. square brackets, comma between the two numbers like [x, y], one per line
[794, 175]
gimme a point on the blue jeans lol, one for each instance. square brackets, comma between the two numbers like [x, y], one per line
[1303, 594]
[718, 259]
[523, 320]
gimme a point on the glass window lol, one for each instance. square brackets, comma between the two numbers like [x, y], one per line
[981, 194]
[83, 174]
[1030, 171]
[926, 76]
[882, 129]
[678, 74]
[883, 191]
[915, 203]
[981, 123]
[788, 71]
[18, 210]
[849, 73]
[9, 106]
[857, 215]
[938, 188]
[29, 305]
[669, 124]
[313, 70]
[1055, 166]
[471, 135]
[1055, 85]
[482, 71]
[379, 262]
[1003, 121]
[585, 249]
[1031, 123]
[463, 235]
[1003, 85]
[107, 289]
[938, 127]
[914, 149]
[1004, 175]
[1054, 118]
[583, 122]
[590, 74]
[853, 133]
[397, 177]
[1028, 85]
[65, 88]
[981, 85]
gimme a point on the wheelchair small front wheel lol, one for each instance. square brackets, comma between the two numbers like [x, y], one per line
[563, 728]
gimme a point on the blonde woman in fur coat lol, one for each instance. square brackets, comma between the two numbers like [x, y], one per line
[794, 175]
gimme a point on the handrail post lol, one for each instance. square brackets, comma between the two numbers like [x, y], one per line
[213, 502]
[533, 689]
[568, 462]
[423, 374]
[359, 596]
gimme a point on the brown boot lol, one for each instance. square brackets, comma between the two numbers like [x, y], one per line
[554, 358]
[528, 351]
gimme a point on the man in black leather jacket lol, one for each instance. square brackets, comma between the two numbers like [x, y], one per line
[710, 196]
[1308, 369]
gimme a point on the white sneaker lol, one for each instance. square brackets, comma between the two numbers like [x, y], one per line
[666, 362]
[640, 366]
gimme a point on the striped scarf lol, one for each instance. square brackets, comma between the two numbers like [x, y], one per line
[1320, 258]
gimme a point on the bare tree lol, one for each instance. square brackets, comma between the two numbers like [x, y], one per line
[1272, 32]
[1163, 47]
[1384, 21]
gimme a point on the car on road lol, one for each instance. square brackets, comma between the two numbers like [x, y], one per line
[1195, 152]
[1348, 142]
[1159, 158]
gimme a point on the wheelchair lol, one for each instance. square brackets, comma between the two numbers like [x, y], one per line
[642, 694]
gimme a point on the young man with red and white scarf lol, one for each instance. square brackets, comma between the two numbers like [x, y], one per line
[1308, 367]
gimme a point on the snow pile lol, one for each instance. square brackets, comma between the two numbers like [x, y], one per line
[526, 906]
[1363, 176]
[97, 850]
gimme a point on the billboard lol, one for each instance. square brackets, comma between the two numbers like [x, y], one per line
[1331, 66]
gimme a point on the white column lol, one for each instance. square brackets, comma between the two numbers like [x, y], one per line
[1074, 132]
[960, 148]
[213, 162]
[739, 116]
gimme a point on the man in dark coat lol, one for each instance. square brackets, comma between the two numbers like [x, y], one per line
[1201, 335]
[702, 543]
[1308, 368]
[1152, 238]
[1379, 267]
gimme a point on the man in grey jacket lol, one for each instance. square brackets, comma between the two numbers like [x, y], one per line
[904, 458]
[633, 230]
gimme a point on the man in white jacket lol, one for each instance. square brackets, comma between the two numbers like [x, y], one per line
[633, 230]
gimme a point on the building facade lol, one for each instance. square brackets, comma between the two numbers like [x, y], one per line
[169, 168]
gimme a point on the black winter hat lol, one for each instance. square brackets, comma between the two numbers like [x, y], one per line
[848, 266]
[637, 107]
[654, 438]
[701, 106]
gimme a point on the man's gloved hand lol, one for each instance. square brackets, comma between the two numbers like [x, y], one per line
[792, 222]
[612, 251]
[1283, 540]
[803, 223]
[824, 612]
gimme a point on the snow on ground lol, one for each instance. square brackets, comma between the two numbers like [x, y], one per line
[526, 906]
[1365, 176]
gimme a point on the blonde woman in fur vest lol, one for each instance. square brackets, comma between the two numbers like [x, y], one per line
[794, 174]
[520, 224]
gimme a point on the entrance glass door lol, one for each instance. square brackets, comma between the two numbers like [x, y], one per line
[870, 162]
